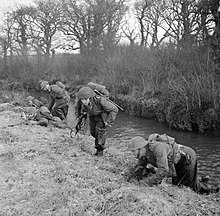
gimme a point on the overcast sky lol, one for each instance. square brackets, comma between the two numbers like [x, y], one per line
[6, 4]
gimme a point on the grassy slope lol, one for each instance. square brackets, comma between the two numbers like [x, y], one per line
[45, 172]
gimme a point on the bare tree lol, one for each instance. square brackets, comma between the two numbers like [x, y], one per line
[140, 11]
[129, 30]
[150, 19]
[183, 21]
[210, 12]
[4, 45]
[91, 23]
[186, 21]
[7, 36]
[47, 21]
[114, 15]
[21, 30]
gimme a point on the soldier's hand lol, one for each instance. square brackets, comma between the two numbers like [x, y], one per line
[139, 172]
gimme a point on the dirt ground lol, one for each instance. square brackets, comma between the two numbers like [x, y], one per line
[43, 171]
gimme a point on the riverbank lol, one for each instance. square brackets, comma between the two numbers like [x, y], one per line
[45, 172]
[204, 120]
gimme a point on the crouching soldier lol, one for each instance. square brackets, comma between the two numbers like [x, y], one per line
[101, 112]
[59, 100]
[170, 159]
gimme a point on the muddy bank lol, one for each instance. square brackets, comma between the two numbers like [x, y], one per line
[45, 172]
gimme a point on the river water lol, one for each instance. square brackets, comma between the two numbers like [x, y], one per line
[207, 147]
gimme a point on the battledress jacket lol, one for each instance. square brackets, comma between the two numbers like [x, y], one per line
[98, 106]
[58, 97]
[164, 157]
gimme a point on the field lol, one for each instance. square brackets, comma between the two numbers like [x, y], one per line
[43, 171]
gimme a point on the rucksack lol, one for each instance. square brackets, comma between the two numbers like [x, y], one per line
[164, 138]
[60, 84]
[100, 88]
[161, 138]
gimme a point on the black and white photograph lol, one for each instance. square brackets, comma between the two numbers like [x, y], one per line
[109, 108]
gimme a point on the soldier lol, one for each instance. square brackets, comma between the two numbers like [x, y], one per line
[32, 101]
[170, 159]
[101, 112]
[59, 100]
[39, 112]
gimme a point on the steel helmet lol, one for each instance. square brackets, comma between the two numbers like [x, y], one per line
[137, 143]
[43, 84]
[85, 92]
[31, 113]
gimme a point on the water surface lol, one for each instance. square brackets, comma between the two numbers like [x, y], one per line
[206, 147]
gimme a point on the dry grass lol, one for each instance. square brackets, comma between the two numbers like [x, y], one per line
[45, 172]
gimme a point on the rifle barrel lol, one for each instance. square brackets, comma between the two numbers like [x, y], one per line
[99, 93]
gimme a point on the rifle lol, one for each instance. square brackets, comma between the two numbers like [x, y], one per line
[99, 93]
[81, 121]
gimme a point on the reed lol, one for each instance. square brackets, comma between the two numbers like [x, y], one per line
[186, 80]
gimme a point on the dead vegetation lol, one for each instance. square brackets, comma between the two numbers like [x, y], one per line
[45, 172]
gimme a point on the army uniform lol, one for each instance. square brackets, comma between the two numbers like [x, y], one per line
[58, 101]
[44, 116]
[39, 112]
[32, 101]
[171, 160]
[101, 112]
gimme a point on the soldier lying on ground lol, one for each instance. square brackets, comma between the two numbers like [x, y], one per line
[37, 111]
[32, 101]
[170, 159]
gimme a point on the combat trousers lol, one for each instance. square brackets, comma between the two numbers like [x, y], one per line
[60, 112]
[186, 170]
[98, 131]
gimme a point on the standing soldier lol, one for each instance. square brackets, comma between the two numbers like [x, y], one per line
[101, 112]
[59, 100]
